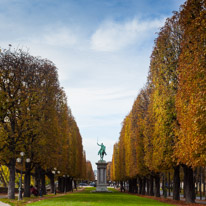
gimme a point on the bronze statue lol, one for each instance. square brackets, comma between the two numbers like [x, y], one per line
[102, 151]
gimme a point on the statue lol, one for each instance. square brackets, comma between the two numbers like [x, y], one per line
[102, 151]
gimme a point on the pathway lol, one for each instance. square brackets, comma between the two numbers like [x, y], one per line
[3, 204]
[197, 200]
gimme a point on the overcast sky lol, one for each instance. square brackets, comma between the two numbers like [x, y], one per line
[102, 51]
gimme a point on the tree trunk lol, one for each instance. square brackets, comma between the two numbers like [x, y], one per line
[27, 180]
[37, 177]
[140, 185]
[176, 183]
[52, 183]
[185, 185]
[148, 185]
[43, 182]
[121, 186]
[70, 188]
[200, 184]
[143, 185]
[151, 186]
[135, 185]
[130, 185]
[64, 184]
[67, 183]
[163, 185]
[203, 178]
[60, 184]
[157, 185]
[75, 184]
[11, 186]
[196, 178]
[189, 187]
[169, 183]
[72, 184]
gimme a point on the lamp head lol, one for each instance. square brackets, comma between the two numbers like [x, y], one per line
[22, 154]
[18, 159]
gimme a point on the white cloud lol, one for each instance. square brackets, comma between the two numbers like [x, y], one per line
[91, 102]
[112, 36]
[60, 37]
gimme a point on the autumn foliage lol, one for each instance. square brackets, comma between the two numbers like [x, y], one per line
[166, 127]
[35, 119]
[89, 172]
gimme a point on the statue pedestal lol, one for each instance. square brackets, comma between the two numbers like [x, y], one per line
[101, 176]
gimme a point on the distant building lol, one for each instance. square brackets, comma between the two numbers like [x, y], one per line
[95, 174]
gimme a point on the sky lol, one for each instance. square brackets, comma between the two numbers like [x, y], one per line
[102, 51]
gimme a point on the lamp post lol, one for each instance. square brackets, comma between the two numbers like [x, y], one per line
[20, 160]
[54, 172]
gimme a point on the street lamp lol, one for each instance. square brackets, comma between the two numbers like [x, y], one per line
[20, 160]
[55, 171]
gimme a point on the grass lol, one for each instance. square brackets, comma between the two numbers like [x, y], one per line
[85, 198]
[23, 202]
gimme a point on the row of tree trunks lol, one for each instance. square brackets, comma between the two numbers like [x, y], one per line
[40, 182]
[133, 185]
[199, 178]
[65, 184]
[148, 183]
[139, 185]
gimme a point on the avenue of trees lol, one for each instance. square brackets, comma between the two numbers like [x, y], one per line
[35, 119]
[89, 172]
[164, 135]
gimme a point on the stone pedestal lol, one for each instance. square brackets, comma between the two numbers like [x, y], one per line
[101, 176]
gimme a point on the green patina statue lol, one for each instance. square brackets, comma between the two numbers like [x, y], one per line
[102, 151]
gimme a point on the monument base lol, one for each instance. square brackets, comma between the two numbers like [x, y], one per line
[101, 176]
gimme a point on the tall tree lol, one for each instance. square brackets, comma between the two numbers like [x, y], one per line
[89, 171]
[15, 75]
[191, 96]
[163, 76]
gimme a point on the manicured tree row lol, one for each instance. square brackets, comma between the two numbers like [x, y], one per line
[89, 172]
[109, 172]
[35, 119]
[190, 149]
[162, 112]
[166, 126]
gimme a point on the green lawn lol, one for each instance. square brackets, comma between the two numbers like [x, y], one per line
[85, 198]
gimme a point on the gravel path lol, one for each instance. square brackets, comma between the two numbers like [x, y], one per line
[3, 204]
